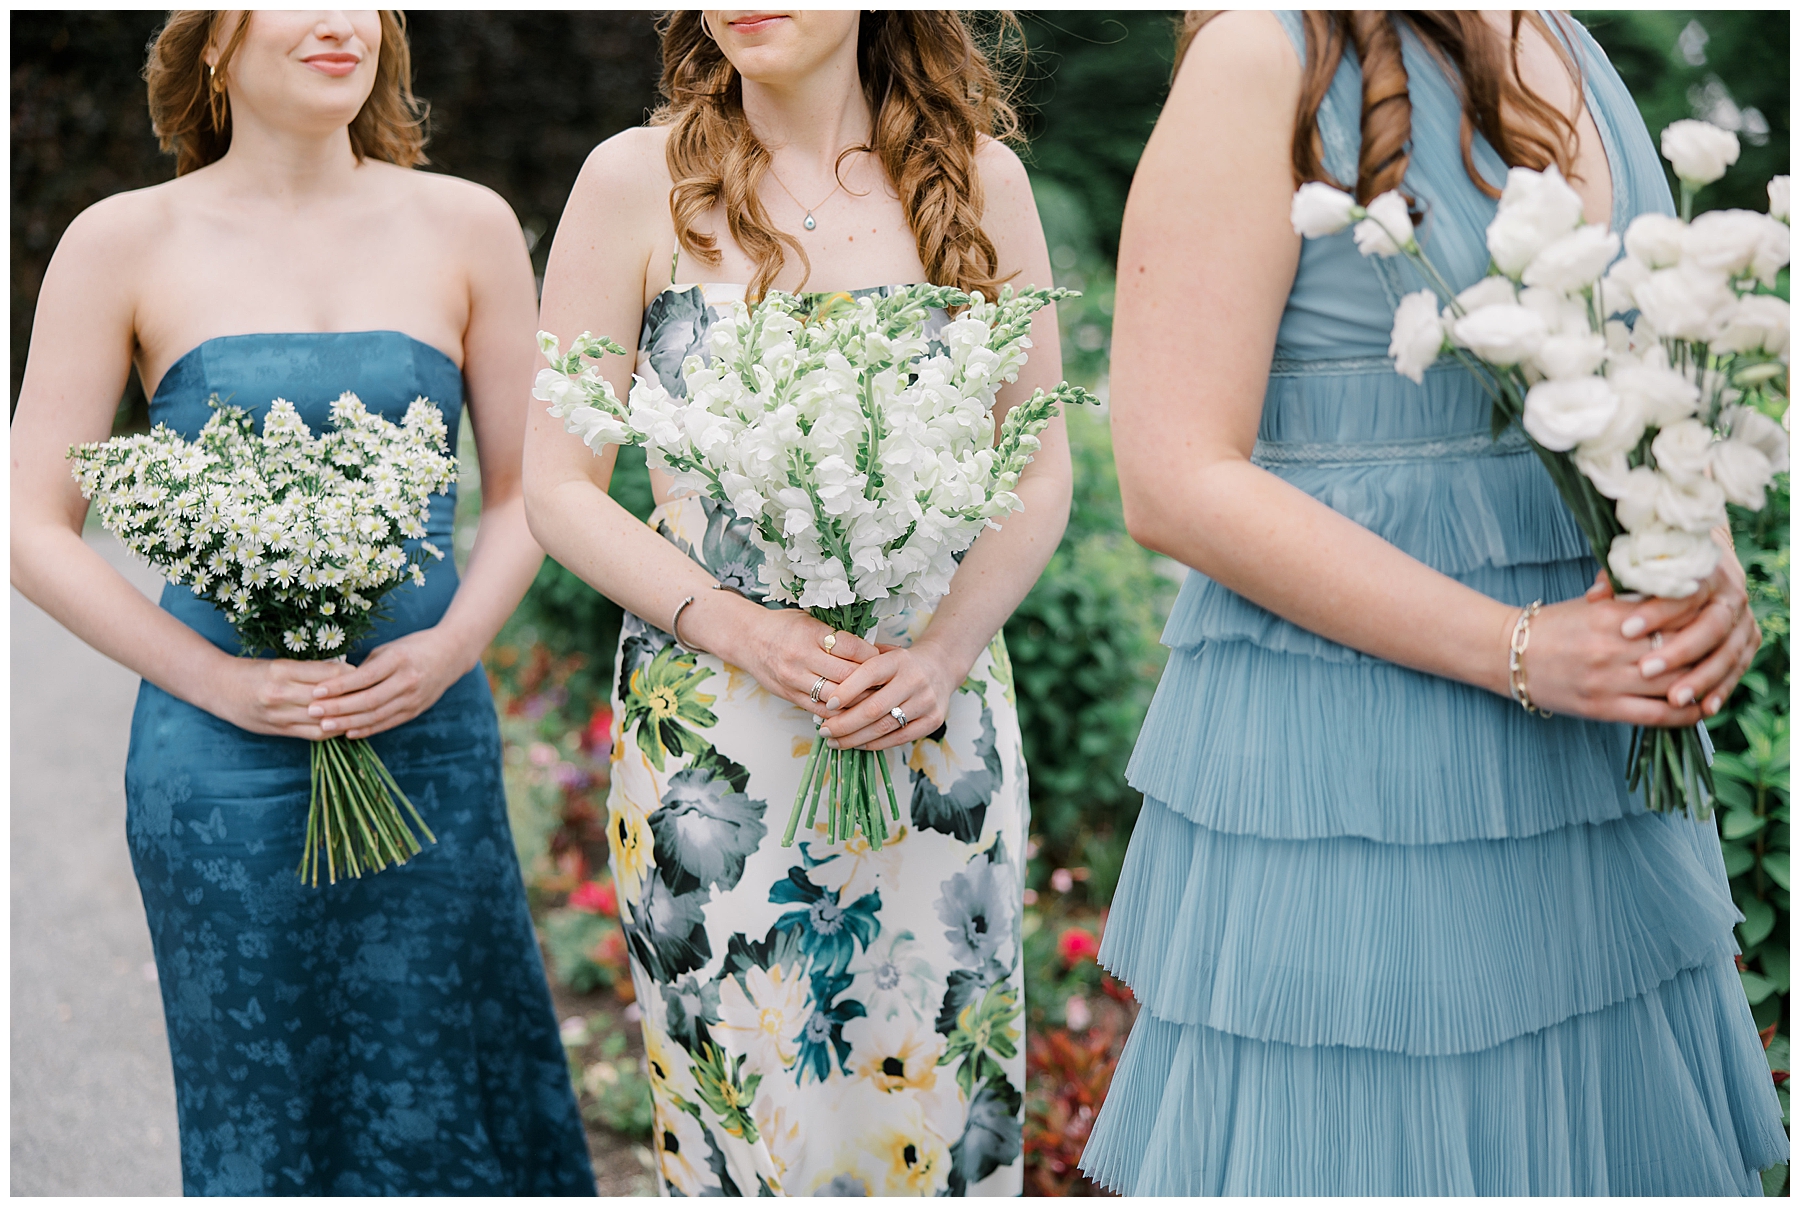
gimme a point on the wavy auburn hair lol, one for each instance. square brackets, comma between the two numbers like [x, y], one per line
[1526, 130]
[191, 111]
[932, 93]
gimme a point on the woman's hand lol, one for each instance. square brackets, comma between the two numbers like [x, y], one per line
[917, 680]
[394, 684]
[1657, 662]
[271, 695]
[1708, 639]
[785, 652]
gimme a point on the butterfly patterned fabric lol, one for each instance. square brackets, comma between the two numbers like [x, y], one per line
[819, 1019]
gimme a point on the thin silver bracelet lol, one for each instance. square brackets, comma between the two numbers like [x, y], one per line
[680, 607]
[675, 625]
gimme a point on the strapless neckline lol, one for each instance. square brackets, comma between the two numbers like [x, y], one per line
[294, 335]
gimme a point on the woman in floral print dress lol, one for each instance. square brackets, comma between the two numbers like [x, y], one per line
[822, 1018]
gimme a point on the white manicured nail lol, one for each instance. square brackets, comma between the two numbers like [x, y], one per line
[1652, 667]
[831, 705]
[1633, 626]
[1684, 696]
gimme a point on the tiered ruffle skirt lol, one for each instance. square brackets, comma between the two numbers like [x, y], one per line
[1391, 934]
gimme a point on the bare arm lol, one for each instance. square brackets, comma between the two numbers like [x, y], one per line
[1206, 260]
[595, 282]
[401, 679]
[82, 341]
[1001, 567]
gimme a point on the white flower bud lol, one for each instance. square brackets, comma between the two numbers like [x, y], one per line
[1418, 335]
[1699, 151]
[1320, 210]
[1561, 414]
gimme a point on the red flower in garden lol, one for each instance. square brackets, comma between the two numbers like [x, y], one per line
[1076, 944]
[595, 897]
[598, 735]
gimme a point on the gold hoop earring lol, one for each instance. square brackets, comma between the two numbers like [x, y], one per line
[217, 103]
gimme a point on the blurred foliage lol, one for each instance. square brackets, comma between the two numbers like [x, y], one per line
[1729, 68]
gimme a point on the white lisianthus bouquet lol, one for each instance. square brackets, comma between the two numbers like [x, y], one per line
[1648, 430]
[296, 539]
[862, 452]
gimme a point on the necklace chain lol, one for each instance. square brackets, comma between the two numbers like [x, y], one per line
[810, 223]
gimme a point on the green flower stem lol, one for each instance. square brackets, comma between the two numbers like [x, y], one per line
[887, 780]
[812, 763]
[353, 818]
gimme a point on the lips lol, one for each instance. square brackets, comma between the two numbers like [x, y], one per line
[333, 64]
[755, 23]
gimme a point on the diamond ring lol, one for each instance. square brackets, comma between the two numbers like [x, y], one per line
[899, 714]
[816, 688]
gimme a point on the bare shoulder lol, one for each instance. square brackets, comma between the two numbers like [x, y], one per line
[630, 168]
[1241, 53]
[999, 164]
[118, 228]
[1005, 186]
[451, 201]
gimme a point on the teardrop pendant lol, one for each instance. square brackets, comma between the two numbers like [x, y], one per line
[809, 224]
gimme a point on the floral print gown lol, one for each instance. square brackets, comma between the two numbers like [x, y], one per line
[819, 1019]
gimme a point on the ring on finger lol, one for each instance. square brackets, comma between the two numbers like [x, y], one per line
[828, 642]
[817, 687]
[899, 714]
[1656, 640]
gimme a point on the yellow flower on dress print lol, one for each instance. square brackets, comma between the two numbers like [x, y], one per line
[628, 834]
[671, 1080]
[938, 762]
[762, 1017]
[681, 1151]
[896, 1152]
[855, 868]
[895, 1053]
[781, 1137]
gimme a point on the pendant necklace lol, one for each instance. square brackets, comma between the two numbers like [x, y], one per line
[810, 223]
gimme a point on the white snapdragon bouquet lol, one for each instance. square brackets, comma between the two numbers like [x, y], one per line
[1647, 429]
[296, 539]
[862, 452]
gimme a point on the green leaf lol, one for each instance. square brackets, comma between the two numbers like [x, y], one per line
[1774, 1179]
[1775, 863]
[1738, 858]
[1759, 920]
[1775, 966]
[1733, 794]
[1740, 822]
[1756, 988]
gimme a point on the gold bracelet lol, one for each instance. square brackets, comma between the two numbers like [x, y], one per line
[1515, 661]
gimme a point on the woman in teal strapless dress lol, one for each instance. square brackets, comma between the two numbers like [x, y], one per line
[1391, 933]
[393, 1034]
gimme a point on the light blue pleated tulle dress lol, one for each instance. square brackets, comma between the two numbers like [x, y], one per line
[388, 1035]
[1392, 934]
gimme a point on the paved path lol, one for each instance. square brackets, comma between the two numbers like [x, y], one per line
[93, 1100]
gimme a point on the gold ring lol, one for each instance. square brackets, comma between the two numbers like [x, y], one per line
[828, 642]
[814, 693]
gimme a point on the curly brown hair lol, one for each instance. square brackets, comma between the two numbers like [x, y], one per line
[191, 112]
[932, 92]
[1484, 66]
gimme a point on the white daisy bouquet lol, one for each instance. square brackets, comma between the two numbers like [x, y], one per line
[1648, 427]
[861, 449]
[296, 539]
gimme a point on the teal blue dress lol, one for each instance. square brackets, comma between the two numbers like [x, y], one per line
[1391, 934]
[389, 1035]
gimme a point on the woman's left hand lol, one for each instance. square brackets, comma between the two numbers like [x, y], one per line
[913, 679]
[1711, 637]
[394, 684]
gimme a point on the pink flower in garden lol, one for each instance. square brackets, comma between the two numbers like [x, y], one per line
[1076, 944]
[595, 897]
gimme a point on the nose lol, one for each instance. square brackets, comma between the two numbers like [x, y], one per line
[334, 25]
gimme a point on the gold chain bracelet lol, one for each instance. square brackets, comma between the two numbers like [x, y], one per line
[1515, 661]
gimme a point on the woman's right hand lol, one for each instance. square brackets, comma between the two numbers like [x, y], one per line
[271, 695]
[1580, 663]
[782, 649]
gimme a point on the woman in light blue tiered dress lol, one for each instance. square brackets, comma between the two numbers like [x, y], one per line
[1392, 934]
